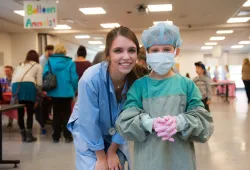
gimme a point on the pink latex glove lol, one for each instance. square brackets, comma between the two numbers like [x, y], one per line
[158, 122]
[167, 130]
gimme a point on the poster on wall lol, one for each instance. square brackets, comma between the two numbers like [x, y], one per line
[40, 14]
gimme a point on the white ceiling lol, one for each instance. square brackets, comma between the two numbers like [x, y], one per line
[204, 17]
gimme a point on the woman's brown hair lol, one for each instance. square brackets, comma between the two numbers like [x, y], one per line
[32, 55]
[138, 71]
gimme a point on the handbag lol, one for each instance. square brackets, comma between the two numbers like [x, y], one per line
[49, 80]
[14, 98]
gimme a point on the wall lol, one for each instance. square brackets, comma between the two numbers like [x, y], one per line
[21, 43]
[5, 47]
[187, 60]
[71, 47]
[237, 59]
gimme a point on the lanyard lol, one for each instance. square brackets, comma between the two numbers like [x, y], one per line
[108, 91]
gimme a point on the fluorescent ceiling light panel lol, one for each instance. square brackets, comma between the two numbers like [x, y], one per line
[160, 8]
[167, 22]
[211, 43]
[247, 4]
[102, 46]
[110, 25]
[20, 12]
[244, 42]
[238, 20]
[62, 27]
[93, 11]
[95, 42]
[237, 46]
[243, 13]
[206, 47]
[82, 36]
[225, 32]
[98, 38]
[217, 38]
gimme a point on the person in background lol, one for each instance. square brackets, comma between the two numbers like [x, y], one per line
[163, 113]
[98, 58]
[246, 77]
[204, 84]
[38, 111]
[208, 72]
[6, 86]
[81, 63]
[26, 80]
[49, 50]
[64, 69]
[46, 104]
[227, 73]
[216, 74]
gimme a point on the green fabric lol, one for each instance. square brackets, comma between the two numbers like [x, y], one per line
[175, 96]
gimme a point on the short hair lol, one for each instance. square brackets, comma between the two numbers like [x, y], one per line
[60, 49]
[9, 67]
[81, 51]
[49, 47]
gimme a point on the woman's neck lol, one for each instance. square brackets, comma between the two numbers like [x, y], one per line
[117, 78]
[80, 58]
[154, 75]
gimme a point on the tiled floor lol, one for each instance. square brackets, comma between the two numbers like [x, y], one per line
[228, 149]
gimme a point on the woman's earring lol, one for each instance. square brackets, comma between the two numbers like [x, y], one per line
[149, 68]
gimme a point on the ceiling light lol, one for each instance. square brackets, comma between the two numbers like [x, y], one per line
[238, 20]
[244, 42]
[237, 46]
[82, 36]
[92, 11]
[102, 46]
[211, 43]
[160, 7]
[110, 25]
[206, 47]
[167, 22]
[243, 13]
[225, 32]
[95, 42]
[57, 2]
[247, 4]
[217, 38]
[20, 12]
[98, 38]
[62, 27]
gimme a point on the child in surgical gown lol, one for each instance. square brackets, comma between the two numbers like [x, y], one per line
[164, 113]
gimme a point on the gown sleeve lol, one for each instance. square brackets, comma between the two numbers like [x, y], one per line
[133, 123]
[196, 124]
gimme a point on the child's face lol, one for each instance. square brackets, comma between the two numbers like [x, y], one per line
[199, 70]
[161, 49]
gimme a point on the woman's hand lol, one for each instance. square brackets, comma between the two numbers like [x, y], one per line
[101, 163]
[112, 157]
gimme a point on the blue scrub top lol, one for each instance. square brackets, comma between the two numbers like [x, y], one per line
[91, 114]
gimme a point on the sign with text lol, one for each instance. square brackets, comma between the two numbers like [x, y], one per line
[40, 14]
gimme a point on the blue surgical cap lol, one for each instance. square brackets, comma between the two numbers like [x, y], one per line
[162, 34]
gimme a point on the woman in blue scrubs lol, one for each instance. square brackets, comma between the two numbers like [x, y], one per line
[101, 95]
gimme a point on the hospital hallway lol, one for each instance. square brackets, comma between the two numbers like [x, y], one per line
[228, 149]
